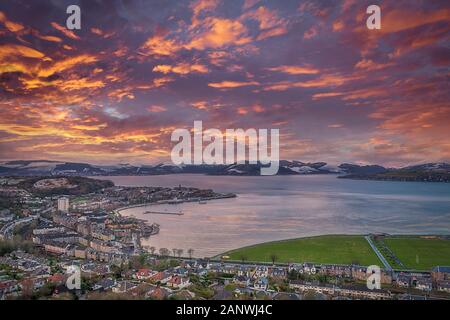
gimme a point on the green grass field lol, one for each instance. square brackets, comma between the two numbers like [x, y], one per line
[420, 253]
[334, 249]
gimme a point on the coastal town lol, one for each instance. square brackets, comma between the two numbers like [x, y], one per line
[55, 224]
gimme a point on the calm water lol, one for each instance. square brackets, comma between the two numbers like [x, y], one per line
[281, 207]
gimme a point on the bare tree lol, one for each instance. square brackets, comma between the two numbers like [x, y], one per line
[190, 253]
[273, 257]
[180, 252]
[152, 250]
[164, 252]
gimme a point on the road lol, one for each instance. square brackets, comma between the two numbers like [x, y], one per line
[7, 229]
[387, 266]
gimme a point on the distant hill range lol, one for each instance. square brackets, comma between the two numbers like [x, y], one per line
[436, 172]
[433, 172]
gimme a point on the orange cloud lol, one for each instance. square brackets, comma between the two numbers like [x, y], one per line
[354, 94]
[258, 108]
[11, 50]
[315, 8]
[370, 65]
[201, 105]
[66, 64]
[249, 3]
[270, 24]
[159, 82]
[219, 32]
[49, 38]
[160, 46]
[68, 33]
[181, 68]
[201, 6]
[272, 33]
[78, 84]
[327, 95]
[400, 20]
[267, 18]
[97, 31]
[294, 70]
[156, 109]
[11, 25]
[119, 94]
[311, 33]
[241, 111]
[11, 58]
[338, 25]
[232, 84]
[330, 80]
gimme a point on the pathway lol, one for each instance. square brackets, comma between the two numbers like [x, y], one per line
[387, 266]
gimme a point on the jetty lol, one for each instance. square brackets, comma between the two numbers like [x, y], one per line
[164, 212]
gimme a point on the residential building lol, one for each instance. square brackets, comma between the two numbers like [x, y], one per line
[242, 280]
[161, 277]
[63, 204]
[158, 293]
[424, 284]
[440, 273]
[403, 280]
[143, 274]
[261, 284]
[104, 284]
[178, 282]
[123, 287]
[443, 285]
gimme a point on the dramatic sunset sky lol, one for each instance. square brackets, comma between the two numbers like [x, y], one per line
[113, 91]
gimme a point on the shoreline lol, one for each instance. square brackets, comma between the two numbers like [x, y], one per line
[225, 196]
[337, 175]
[156, 227]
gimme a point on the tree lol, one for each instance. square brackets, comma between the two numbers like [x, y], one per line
[243, 257]
[293, 275]
[152, 250]
[190, 253]
[164, 252]
[273, 257]
[138, 262]
[180, 252]
[174, 251]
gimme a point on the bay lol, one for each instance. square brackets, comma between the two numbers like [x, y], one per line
[282, 207]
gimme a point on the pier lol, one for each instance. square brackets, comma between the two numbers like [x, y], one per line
[164, 212]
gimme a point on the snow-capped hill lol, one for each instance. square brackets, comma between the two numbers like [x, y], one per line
[439, 166]
[303, 169]
[54, 168]
[429, 172]
[170, 165]
[349, 168]
[331, 168]
[424, 172]
[38, 165]
[235, 171]
[299, 167]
